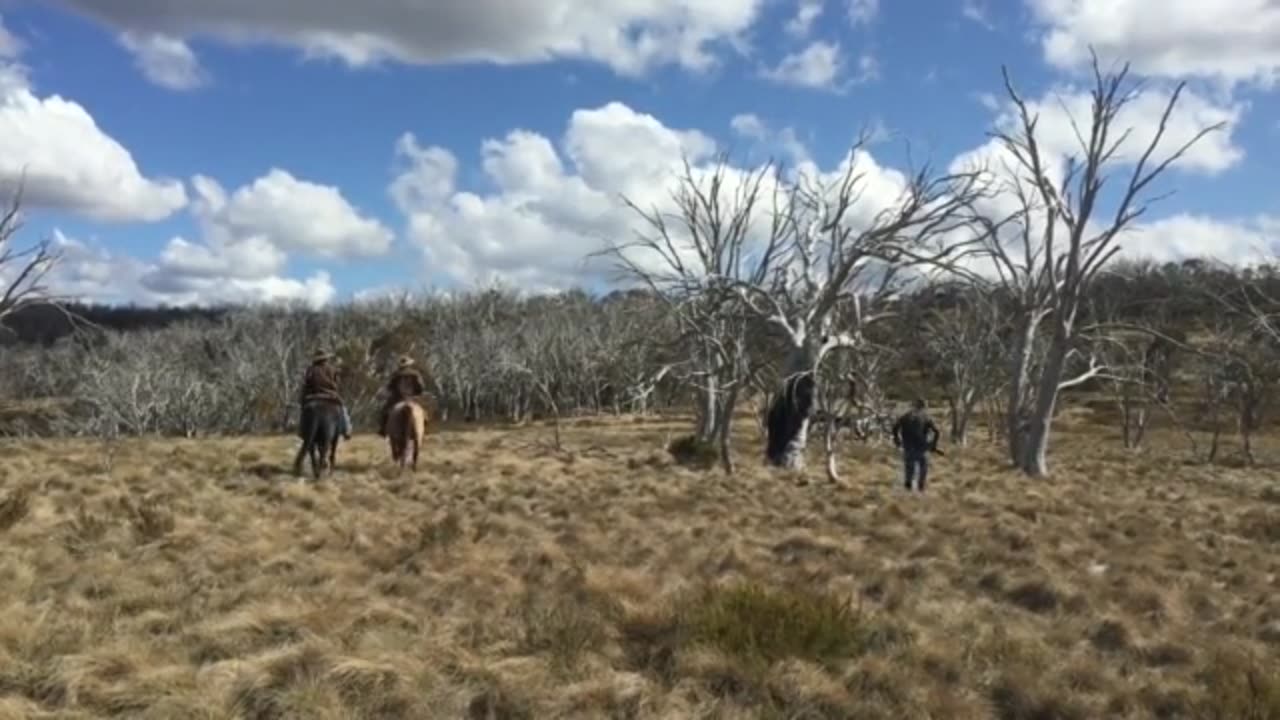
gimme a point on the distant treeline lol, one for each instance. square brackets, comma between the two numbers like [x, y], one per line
[43, 325]
[1135, 290]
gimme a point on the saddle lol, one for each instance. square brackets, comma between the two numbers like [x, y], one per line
[311, 400]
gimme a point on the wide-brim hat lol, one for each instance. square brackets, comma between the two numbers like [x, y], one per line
[319, 355]
[404, 361]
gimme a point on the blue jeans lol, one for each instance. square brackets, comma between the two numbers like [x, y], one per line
[915, 463]
[346, 421]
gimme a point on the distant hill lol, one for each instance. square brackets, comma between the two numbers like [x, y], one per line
[44, 325]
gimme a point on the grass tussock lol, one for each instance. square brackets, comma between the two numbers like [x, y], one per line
[758, 625]
[690, 451]
[199, 580]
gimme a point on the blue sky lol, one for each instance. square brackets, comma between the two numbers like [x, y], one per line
[324, 93]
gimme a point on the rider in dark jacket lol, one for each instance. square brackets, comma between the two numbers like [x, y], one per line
[405, 384]
[320, 382]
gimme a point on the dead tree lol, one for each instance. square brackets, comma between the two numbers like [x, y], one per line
[963, 350]
[1139, 356]
[850, 396]
[1047, 251]
[24, 272]
[1247, 353]
[828, 269]
[685, 258]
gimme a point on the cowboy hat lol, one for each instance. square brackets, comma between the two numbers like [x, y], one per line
[404, 361]
[319, 355]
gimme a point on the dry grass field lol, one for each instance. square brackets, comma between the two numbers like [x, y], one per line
[190, 579]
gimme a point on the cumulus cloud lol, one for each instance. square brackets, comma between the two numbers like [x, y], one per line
[1228, 40]
[53, 147]
[164, 60]
[1057, 139]
[92, 273]
[1212, 155]
[248, 235]
[554, 203]
[627, 36]
[1239, 241]
[289, 214]
[821, 66]
[246, 238]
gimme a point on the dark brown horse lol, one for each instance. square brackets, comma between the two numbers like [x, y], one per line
[320, 430]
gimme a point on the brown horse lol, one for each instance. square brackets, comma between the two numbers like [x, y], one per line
[406, 426]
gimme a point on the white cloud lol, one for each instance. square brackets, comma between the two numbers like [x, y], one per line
[1228, 40]
[807, 13]
[92, 273]
[1181, 236]
[978, 12]
[10, 46]
[64, 161]
[248, 259]
[1172, 238]
[785, 142]
[164, 60]
[1212, 155]
[246, 239]
[552, 205]
[629, 36]
[817, 66]
[289, 214]
[748, 125]
[425, 176]
[863, 12]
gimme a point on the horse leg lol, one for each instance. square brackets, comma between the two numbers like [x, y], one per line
[416, 443]
[297, 460]
[333, 456]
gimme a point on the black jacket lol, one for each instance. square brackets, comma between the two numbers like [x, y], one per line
[912, 432]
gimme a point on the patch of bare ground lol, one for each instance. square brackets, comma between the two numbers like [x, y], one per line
[196, 579]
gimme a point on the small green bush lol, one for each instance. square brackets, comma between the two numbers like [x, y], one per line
[755, 624]
[689, 451]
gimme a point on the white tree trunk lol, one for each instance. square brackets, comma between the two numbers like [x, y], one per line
[961, 412]
[833, 472]
[708, 405]
[1035, 447]
[1020, 386]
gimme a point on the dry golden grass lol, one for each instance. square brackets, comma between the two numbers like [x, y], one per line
[189, 579]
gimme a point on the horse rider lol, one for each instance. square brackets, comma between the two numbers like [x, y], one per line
[320, 382]
[912, 434]
[406, 383]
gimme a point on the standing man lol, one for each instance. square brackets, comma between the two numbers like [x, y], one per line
[911, 433]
